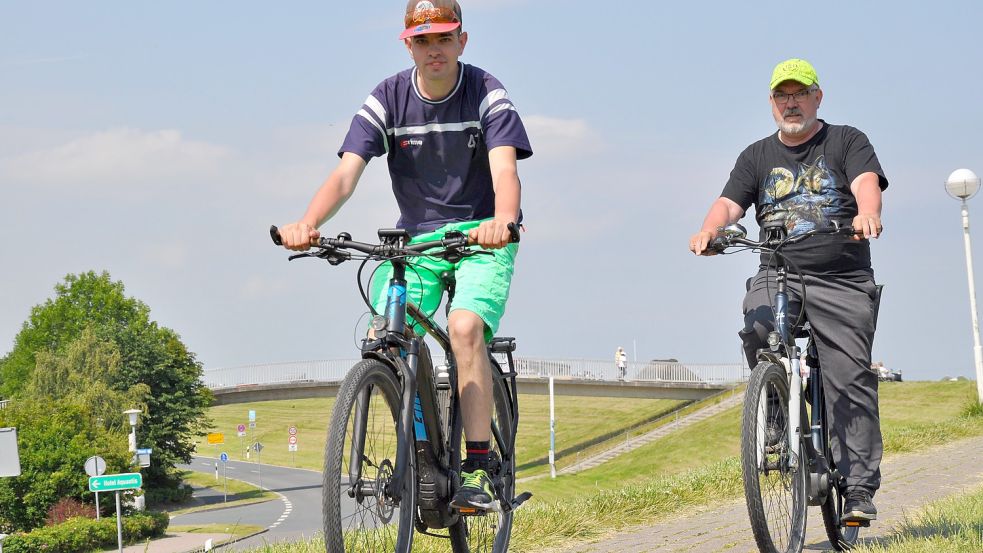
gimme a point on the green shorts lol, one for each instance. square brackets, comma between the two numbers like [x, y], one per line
[482, 280]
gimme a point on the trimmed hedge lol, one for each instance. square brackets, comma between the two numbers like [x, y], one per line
[86, 534]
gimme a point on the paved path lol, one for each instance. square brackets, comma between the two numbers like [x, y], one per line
[173, 542]
[909, 482]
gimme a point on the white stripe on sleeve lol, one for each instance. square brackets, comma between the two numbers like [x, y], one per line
[491, 98]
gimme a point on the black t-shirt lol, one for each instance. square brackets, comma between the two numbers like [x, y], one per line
[809, 186]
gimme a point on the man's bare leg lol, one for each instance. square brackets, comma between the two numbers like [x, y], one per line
[474, 381]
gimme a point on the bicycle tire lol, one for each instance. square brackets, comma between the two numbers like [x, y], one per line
[490, 532]
[362, 515]
[840, 537]
[776, 496]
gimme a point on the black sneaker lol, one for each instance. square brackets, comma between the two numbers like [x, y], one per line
[858, 506]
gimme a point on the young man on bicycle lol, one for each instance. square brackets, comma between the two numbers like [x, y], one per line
[813, 174]
[451, 137]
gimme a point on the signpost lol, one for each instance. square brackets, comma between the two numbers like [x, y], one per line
[241, 432]
[115, 483]
[258, 447]
[292, 443]
[95, 466]
[224, 457]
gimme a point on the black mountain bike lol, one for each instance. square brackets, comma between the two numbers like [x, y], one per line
[396, 437]
[786, 459]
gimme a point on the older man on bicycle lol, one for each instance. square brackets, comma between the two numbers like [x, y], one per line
[451, 136]
[812, 174]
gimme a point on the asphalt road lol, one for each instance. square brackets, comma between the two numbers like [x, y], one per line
[295, 515]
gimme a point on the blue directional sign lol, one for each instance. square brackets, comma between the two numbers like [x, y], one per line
[224, 457]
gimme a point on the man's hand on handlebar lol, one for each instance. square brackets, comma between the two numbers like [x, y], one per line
[698, 242]
[299, 236]
[491, 234]
[867, 225]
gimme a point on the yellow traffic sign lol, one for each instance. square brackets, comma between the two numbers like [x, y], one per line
[216, 438]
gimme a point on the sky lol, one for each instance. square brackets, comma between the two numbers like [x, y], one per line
[158, 142]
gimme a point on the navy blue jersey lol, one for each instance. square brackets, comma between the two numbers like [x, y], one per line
[438, 150]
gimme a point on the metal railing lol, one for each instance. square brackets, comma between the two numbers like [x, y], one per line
[3, 403]
[333, 370]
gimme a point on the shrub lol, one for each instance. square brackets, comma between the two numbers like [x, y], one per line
[85, 534]
[66, 508]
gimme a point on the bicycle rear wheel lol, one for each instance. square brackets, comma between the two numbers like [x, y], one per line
[361, 510]
[775, 494]
[489, 532]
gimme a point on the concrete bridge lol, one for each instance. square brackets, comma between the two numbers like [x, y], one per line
[574, 377]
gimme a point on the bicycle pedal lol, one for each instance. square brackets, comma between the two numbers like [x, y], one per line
[856, 523]
[520, 499]
[475, 510]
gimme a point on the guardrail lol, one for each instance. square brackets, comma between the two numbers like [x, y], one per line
[333, 370]
[3, 403]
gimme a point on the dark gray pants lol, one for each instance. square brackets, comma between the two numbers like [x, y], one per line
[841, 312]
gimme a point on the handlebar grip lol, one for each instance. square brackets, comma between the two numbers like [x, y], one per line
[275, 235]
[718, 244]
[513, 233]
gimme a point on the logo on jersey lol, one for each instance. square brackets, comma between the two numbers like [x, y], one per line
[407, 142]
[472, 142]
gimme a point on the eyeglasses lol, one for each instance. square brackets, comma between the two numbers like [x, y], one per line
[432, 15]
[783, 97]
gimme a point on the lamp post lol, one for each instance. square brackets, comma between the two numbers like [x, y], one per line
[133, 414]
[963, 184]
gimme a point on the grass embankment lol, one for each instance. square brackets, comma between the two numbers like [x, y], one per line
[698, 466]
[579, 422]
[952, 525]
[238, 492]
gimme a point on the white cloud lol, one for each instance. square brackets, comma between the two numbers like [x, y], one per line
[553, 137]
[113, 158]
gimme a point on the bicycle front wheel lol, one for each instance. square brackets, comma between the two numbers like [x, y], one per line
[775, 492]
[362, 511]
[489, 532]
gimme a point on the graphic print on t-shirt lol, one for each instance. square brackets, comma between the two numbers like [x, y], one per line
[804, 200]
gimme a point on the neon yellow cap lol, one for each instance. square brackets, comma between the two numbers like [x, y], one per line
[796, 70]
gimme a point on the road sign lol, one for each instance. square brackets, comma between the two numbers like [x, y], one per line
[292, 447]
[292, 440]
[241, 430]
[252, 424]
[257, 447]
[252, 415]
[292, 431]
[146, 451]
[95, 466]
[9, 459]
[114, 482]
[224, 457]
[216, 438]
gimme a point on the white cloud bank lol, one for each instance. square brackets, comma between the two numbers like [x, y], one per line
[111, 158]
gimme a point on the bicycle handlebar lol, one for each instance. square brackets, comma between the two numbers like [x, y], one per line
[724, 241]
[453, 244]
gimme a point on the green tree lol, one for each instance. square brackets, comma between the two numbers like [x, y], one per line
[54, 440]
[148, 355]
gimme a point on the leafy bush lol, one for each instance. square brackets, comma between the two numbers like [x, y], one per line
[66, 508]
[85, 534]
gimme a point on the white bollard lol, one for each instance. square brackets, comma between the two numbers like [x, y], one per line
[208, 544]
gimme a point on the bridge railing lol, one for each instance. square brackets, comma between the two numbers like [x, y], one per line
[333, 370]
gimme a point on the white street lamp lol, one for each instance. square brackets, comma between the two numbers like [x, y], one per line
[963, 184]
[134, 414]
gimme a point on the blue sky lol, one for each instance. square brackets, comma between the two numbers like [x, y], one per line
[159, 141]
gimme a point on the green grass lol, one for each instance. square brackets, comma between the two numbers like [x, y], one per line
[239, 492]
[952, 525]
[579, 422]
[697, 466]
[231, 530]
